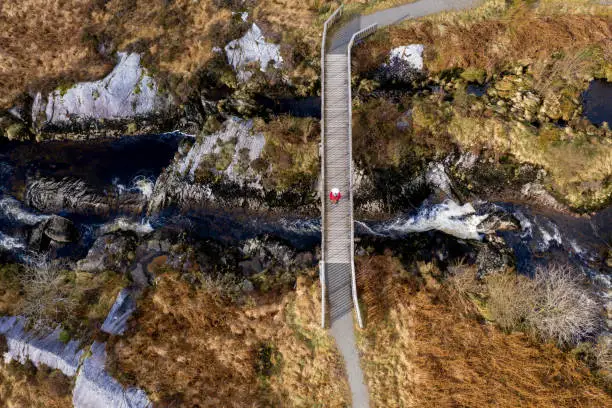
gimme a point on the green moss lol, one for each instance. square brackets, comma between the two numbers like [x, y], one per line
[64, 88]
[64, 336]
[131, 128]
[472, 74]
[16, 131]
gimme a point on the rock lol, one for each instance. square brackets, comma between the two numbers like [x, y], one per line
[127, 92]
[228, 155]
[493, 257]
[250, 267]
[45, 349]
[109, 252]
[122, 309]
[60, 229]
[538, 194]
[55, 229]
[95, 388]
[139, 277]
[74, 195]
[252, 48]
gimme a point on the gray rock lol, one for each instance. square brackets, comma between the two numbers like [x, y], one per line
[124, 306]
[70, 194]
[40, 349]
[60, 229]
[127, 92]
[95, 388]
[110, 251]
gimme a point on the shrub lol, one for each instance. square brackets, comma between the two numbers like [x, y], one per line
[510, 299]
[565, 311]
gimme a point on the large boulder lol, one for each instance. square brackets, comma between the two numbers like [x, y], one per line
[95, 388]
[110, 252]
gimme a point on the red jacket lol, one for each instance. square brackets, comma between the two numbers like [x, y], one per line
[332, 197]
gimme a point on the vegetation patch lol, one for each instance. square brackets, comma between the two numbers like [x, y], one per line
[215, 352]
[25, 385]
[290, 157]
[426, 345]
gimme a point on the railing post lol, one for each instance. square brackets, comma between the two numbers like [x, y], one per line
[357, 36]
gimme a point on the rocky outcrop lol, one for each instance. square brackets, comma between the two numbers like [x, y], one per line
[54, 230]
[252, 48]
[127, 92]
[76, 196]
[216, 167]
[109, 252]
[124, 306]
[95, 388]
[45, 349]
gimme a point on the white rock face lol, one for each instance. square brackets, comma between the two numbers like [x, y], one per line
[252, 47]
[234, 130]
[124, 306]
[413, 54]
[127, 92]
[94, 388]
[48, 349]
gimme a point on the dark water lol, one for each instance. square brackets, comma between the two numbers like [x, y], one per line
[98, 163]
[300, 107]
[477, 89]
[597, 102]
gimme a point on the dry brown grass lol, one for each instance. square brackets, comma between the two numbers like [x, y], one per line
[191, 347]
[492, 39]
[41, 42]
[177, 37]
[291, 154]
[29, 387]
[421, 349]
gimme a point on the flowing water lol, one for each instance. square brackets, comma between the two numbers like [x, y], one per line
[131, 165]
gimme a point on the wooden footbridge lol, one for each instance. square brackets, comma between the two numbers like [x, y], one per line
[337, 266]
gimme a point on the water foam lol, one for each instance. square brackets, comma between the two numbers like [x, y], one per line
[10, 243]
[460, 221]
[125, 224]
[12, 209]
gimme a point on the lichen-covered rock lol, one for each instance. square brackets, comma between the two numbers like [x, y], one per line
[252, 48]
[45, 349]
[109, 252]
[95, 388]
[124, 306]
[76, 196]
[127, 92]
[225, 156]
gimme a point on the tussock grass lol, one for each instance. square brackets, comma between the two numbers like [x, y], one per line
[24, 386]
[494, 36]
[291, 153]
[193, 347]
[424, 349]
[42, 44]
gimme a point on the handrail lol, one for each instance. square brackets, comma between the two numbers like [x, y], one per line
[357, 36]
[331, 20]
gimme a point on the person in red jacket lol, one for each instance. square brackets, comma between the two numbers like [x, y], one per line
[334, 195]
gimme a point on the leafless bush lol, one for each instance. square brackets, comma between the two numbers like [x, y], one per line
[603, 355]
[565, 310]
[511, 299]
[463, 279]
[46, 300]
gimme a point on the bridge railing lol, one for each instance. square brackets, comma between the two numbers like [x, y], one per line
[356, 37]
[328, 23]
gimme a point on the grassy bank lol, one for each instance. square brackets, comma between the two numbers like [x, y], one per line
[426, 346]
[193, 346]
